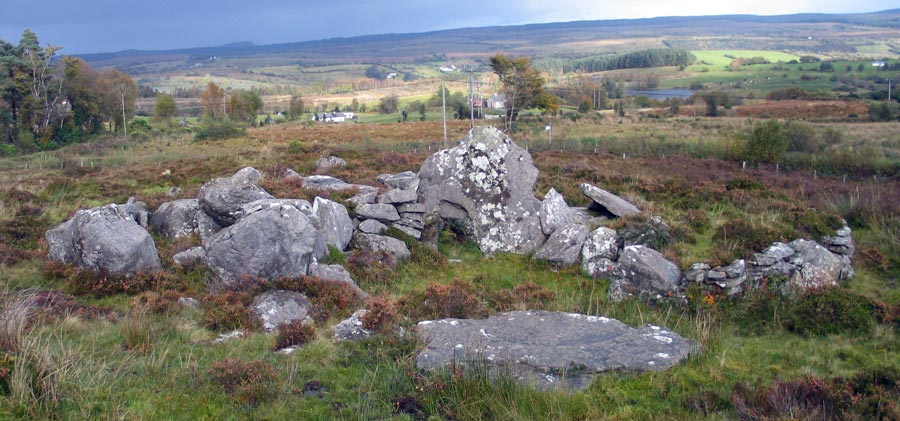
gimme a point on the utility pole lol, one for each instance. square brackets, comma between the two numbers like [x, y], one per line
[124, 123]
[471, 103]
[889, 91]
[444, 109]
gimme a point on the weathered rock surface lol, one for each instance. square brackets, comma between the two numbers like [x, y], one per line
[206, 227]
[325, 182]
[654, 233]
[371, 226]
[406, 180]
[606, 202]
[222, 198]
[106, 239]
[564, 245]
[841, 243]
[817, 267]
[335, 225]
[379, 211]
[273, 242]
[190, 257]
[645, 271]
[397, 197]
[335, 273]
[273, 308]
[329, 162]
[549, 349]
[364, 197]
[352, 328]
[555, 212]
[384, 243]
[599, 252]
[176, 219]
[487, 185]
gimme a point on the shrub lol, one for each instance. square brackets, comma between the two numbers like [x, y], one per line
[328, 298]
[100, 284]
[740, 238]
[251, 382]
[382, 315]
[226, 311]
[293, 334]
[527, 296]
[438, 301]
[371, 266]
[767, 142]
[831, 311]
[218, 129]
[156, 302]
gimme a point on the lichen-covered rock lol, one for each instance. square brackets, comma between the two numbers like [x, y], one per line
[372, 226]
[273, 308]
[335, 225]
[606, 202]
[366, 197]
[599, 251]
[190, 257]
[564, 245]
[406, 180]
[275, 241]
[383, 243]
[486, 184]
[329, 162]
[325, 182]
[176, 219]
[351, 329]
[396, 197]
[816, 266]
[222, 198]
[106, 239]
[380, 211]
[646, 272]
[206, 227]
[554, 212]
[550, 350]
[841, 243]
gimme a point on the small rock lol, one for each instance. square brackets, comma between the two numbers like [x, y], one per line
[389, 245]
[555, 212]
[329, 162]
[564, 245]
[190, 257]
[372, 226]
[352, 328]
[273, 308]
[407, 180]
[397, 196]
[411, 208]
[380, 211]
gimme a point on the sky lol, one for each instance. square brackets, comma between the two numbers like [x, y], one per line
[92, 26]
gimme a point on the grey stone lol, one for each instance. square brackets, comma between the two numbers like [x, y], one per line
[602, 268]
[716, 275]
[407, 218]
[410, 231]
[554, 212]
[352, 328]
[174, 191]
[550, 350]
[273, 308]
[696, 273]
[406, 180]
[564, 245]
[604, 201]
[335, 273]
[364, 197]
[646, 271]
[411, 208]
[290, 174]
[105, 239]
[654, 233]
[277, 241]
[206, 227]
[380, 211]
[736, 269]
[138, 211]
[372, 226]
[223, 198]
[600, 249]
[247, 175]
[190, 257]
[820, 268]
[387, 244]
[329, 162]
[335, 224]
[397, 196]
[487, 185]
[325, 182]
[176, 219]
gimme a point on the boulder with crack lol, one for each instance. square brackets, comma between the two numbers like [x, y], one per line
[486, 184]
[551, 350]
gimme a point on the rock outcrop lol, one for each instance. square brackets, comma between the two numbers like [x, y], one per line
[555, 212]
[106, 239]
[644, 271]
[329, 162]
[549, 349]
[176, 219]
[486, 184]
[564, 245]
[222, 198]
[608, 203]
[351, 329]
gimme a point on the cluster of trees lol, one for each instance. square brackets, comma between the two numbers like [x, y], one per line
[657, 57]
[46, 102]
[522, 85]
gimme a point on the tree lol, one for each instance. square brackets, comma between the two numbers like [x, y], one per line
[83, 93]
[118, 93]
[244, 105]
[522, 85]
[165, 108]
[295, 109]
[767, 142]
[376, 72]
[213, 99]
[388, 104]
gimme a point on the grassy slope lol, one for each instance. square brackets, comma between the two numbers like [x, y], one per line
[169, 378]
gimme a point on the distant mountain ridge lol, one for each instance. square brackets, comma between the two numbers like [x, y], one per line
[540, 40]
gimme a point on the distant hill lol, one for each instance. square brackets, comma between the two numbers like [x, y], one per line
[841, 34]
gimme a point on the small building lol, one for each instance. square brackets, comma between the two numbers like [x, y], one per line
[877, 64]
[392, 75]
[338, 117]
[496, 102]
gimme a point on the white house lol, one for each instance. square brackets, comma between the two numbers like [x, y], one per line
[877, 64]
[392, 75]
[334, 117]
[497, 101]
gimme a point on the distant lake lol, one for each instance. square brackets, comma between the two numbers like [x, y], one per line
[661, 94]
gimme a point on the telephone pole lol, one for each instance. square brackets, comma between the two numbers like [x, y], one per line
[124, 123]
[444, 110]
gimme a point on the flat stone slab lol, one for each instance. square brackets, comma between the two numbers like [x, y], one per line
[551, 350]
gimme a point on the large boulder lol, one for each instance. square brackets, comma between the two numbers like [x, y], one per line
[564, 245]
[335, 225]
[176, 219]
[549, 349]
[106, 239]
[487, 185]
[273, 308]
[223, 198]
[645, 272]
[608, 203]
[273, 241]
[816, 267]
[555, 212]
